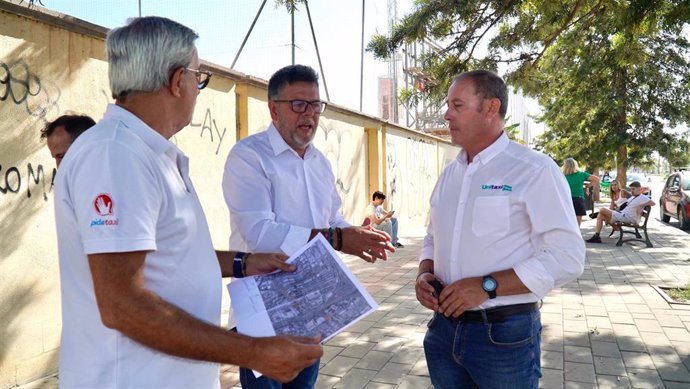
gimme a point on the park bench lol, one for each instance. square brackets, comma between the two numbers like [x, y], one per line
[635, 229]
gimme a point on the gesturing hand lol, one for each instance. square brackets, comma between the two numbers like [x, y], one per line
[366, 243]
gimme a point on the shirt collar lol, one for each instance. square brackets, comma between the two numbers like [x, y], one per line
[490, 152]
[279, 145]
[153, 139]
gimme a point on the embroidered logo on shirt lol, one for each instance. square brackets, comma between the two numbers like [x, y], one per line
[103, 205]
[505, 188]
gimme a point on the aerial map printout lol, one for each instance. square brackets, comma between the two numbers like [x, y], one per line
[321, 297]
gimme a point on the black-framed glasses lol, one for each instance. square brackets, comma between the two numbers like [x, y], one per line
[202, 77]
[300, 106]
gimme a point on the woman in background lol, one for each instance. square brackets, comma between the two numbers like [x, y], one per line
[576, 180]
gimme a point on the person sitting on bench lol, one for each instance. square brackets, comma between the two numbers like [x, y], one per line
[628, 212]
[383, 220]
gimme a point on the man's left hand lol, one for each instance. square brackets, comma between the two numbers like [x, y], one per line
[462, 295]
[267, 263]
[366, 243]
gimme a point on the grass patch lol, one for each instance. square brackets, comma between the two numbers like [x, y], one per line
[680, 294]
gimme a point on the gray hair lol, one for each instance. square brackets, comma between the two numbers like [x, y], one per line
[488, 85]
[143, 54]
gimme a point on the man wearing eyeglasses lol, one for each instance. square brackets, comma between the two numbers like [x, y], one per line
[141, 282]
[281, 190]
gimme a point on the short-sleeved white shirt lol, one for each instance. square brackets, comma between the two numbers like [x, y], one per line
[122, 187]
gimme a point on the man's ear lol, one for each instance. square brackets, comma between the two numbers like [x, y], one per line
[176, 80]
[272, 108]
[494, 106]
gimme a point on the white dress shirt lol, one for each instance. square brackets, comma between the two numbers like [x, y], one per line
[508, 209]
[275, 197]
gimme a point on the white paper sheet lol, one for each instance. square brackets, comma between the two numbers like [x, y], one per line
[322, 297]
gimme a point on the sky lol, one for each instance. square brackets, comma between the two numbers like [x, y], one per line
[223, 24]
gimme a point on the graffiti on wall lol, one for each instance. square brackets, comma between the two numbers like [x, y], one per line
[11, 180]
[18, 85]
[22, 89]
[210, 127]
[411, 173]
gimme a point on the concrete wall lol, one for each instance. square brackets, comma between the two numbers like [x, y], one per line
[51, 64]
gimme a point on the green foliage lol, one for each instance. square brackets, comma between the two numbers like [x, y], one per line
[612, 76]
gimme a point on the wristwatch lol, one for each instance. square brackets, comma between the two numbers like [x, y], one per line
[489, 285]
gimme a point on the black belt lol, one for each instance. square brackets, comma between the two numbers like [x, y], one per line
[494, 315]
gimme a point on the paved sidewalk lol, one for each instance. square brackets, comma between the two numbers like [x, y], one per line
[608, 329]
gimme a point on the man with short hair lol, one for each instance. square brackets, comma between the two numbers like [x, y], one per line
[61, 132]
[629, 212]
[382, 219]
[281, 193]
[141, 282]
[501, 235]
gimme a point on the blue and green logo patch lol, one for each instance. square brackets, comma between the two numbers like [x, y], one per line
[504, 188]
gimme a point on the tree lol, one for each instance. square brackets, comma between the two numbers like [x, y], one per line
[612, 76]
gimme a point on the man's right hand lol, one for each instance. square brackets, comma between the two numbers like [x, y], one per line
[366, 243]
[283, 357]
[425, 292]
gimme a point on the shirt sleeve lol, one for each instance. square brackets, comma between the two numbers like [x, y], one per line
[247, 192]
[130, 201]
[559, 248]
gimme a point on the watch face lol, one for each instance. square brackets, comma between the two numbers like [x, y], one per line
[489, 284]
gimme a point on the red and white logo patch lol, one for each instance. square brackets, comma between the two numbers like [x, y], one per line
[103, 204]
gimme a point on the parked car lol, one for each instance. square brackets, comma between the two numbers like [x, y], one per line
[675, 199]
[643, 179]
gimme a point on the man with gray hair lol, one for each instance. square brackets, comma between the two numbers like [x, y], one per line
[141, 282]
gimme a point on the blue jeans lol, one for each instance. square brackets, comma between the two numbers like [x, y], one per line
[484, 355]
[304, 380]
[394, 231]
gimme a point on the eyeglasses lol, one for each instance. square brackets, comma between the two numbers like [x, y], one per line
[202, 77]
[300, 106]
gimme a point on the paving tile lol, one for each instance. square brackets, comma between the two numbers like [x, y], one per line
[578, 354]
[551, 379]
[674, 372]
[374, 360]
[605, 349]
[392, 373]
[357, 349]
[415, 382]
[552, 359]
[339, 366]
[609, 366]
[356, 379]
[613, 382]
[637, 360]
[644, 378]
[579, 372]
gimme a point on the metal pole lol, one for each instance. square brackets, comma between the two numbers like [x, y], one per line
[316, 46]
[247, 36]
[361, 62]
[139, 8]
[292, 14]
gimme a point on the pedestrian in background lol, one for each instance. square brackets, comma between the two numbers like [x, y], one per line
[576, 181]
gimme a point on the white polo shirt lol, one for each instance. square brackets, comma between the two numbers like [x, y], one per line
[275, 197]
[122, 187]
[508, 209]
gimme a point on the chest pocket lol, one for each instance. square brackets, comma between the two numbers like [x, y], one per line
[491, 215]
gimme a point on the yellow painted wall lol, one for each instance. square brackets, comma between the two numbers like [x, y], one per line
[50, 65]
